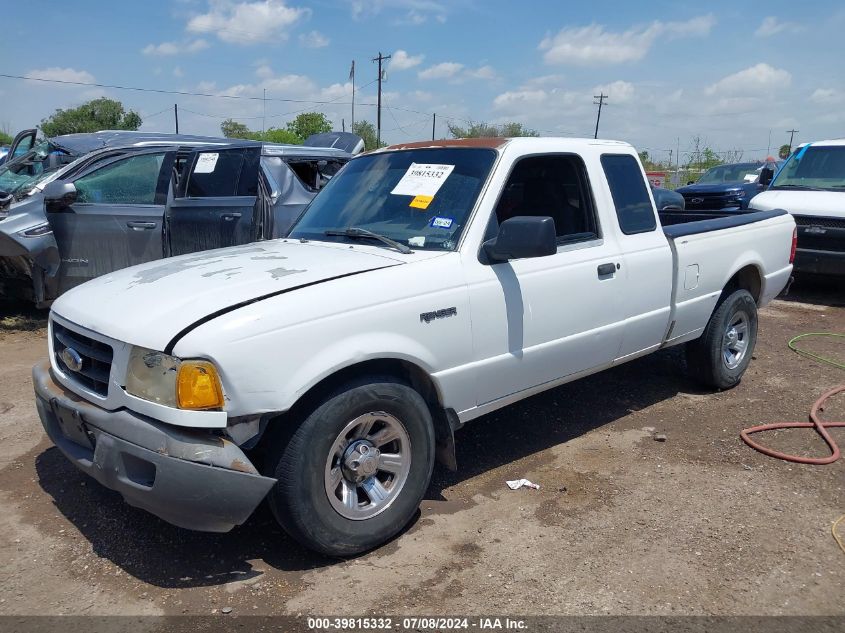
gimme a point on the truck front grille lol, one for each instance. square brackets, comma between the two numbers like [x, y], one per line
[92, 372]
[812, 220]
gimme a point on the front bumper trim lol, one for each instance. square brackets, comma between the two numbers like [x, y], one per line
[193, 480]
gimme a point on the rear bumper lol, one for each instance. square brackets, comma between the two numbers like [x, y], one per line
[191, 479]
[820, 262]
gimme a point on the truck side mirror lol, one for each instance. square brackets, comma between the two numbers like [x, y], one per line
[766, 176]
[521, 237]
[59, 195]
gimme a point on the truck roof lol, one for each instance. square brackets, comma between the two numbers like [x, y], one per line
[543, 142]
[834, 142]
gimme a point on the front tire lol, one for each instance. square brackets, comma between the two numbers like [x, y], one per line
[721, 355]
[354, 472]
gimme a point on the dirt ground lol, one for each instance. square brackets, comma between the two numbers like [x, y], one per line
[622, 524]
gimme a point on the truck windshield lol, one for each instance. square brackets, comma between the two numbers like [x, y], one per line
[814, 167]
[741, 172]
[420, 198]
[19, 176]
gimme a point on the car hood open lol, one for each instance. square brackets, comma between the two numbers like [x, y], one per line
[150, 304]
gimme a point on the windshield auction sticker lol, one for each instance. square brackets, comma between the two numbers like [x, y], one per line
[206, 163]
[422, 179]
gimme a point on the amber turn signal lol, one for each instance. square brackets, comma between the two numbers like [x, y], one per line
[198, 386]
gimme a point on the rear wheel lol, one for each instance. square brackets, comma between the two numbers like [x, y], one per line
[354, 472]
[720, 357]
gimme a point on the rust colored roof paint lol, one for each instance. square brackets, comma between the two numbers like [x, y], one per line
[492, 143]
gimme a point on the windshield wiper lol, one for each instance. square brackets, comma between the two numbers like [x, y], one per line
[799, 187]
[355, 232]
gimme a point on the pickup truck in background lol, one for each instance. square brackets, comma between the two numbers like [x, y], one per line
[142, 197]
[427, 285]
[728, 187]
[811, 186]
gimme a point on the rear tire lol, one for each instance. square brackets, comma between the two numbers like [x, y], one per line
[354, 472]
[721, 355]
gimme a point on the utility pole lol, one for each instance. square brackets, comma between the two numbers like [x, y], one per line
[601, 97]
[433, 124]
[792, 134]
[352, 77]
[379, 59]
[176, 116]
[264, 113]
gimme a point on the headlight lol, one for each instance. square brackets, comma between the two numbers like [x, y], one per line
[739, 194]
[173, 382]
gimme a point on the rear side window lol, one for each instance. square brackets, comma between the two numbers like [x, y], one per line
[630, 196]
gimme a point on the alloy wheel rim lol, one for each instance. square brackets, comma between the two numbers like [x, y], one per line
[368, 465]
[735, 340]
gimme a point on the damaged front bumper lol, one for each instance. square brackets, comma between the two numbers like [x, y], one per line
[191, 479]
[29, 257]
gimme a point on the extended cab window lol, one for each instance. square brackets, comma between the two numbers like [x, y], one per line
[630, 196]
[132, 180]
[554, 186]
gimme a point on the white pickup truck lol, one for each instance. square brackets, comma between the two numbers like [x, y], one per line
[427, 285]
[811, 186]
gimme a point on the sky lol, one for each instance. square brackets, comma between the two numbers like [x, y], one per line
[737, 75]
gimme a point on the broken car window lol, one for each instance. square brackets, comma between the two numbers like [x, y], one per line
[130, 180]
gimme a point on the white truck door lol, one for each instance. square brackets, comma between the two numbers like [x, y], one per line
[538, 320]
[647, 260]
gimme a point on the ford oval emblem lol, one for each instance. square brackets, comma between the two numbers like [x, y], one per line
[697, 200]
[71, 358]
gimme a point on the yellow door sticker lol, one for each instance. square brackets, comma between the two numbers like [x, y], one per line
[421, 202]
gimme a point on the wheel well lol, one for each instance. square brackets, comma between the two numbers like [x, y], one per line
[445, 421]
[747, 278]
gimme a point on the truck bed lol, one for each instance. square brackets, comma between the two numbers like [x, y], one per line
[680, 223]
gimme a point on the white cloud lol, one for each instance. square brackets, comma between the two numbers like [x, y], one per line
[827, 96]
[772, 26]
[178, 72]
[483, 72]
[456, 73]
[401, 60]
[752, 81]
[415, 12]
[444, 70]
[617, 92]
[264, 71]
[247, 22]
[593, 45]
[520, 98]
[61, 74]
[313, 39]
[174, 48]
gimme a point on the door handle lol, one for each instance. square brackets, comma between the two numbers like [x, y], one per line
[141, 226]
[607, 269]
[228, 217]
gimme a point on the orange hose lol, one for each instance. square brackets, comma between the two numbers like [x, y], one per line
[815, 422]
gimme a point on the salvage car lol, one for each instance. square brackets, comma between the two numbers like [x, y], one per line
[427, 285]
[811, 186]
[729, 187]
[158, 197]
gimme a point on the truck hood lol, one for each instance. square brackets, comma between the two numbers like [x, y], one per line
[722, 187]
[150, 304]
[826, 204]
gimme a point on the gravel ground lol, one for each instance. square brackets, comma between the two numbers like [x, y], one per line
[622, 524]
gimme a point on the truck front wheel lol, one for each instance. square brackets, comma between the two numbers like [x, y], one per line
[355, 470]
[720, 357]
